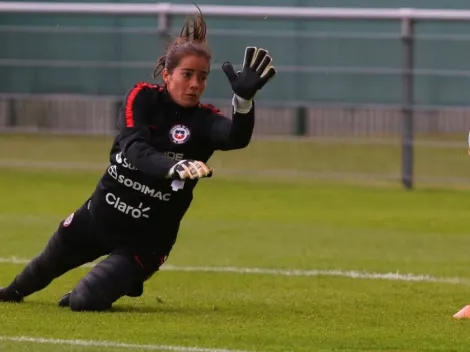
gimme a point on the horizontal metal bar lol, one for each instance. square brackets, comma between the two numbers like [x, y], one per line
[234, 11]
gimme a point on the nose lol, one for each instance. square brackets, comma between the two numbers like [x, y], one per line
[194, 84]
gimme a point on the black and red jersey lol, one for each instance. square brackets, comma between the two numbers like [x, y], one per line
[134, 197]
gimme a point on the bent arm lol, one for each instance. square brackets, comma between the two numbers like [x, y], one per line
[134, 129]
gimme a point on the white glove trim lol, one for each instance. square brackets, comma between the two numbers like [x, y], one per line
[241, 105]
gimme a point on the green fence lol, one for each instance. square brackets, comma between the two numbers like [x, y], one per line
[320, 61]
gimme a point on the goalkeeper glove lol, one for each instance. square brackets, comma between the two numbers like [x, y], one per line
[256, 72]
[189, 169]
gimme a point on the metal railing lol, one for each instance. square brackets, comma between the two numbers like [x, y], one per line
[167, 9]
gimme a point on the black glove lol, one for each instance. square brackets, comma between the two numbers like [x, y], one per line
[256, 72]
[189, 169]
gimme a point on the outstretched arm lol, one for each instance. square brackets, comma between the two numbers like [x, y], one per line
[235, 133]
[257, 70]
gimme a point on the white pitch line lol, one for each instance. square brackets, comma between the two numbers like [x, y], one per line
[293, 272]
[112, 344]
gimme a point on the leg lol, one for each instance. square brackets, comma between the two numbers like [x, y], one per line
[150, 263]
[72, 245]
[103, 285]
[120, 274]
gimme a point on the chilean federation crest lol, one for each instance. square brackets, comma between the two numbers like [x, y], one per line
[179, 134]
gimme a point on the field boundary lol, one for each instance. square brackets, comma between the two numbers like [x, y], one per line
[111, 344]
[293, 272]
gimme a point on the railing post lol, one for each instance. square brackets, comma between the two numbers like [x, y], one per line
[407, 37]
[164, 28]
[12, 118]
[301, 121]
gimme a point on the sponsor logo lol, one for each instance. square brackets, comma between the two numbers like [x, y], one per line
[174, 156]
[112, 170]
[68, 221]
[123, 207]
[124, 163]
[179, 134]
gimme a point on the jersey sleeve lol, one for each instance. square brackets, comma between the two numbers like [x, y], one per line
[135, 130]
[230, 134]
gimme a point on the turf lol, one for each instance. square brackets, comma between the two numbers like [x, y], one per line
[436, 159]
[250, 224]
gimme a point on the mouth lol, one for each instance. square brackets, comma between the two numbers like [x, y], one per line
[192, 95]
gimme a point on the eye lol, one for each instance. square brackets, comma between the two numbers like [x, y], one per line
[186, 74]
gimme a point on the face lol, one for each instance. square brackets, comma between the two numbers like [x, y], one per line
[187, 82]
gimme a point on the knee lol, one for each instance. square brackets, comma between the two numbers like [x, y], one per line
[85, 301]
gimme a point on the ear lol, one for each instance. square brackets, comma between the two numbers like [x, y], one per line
[165, 75]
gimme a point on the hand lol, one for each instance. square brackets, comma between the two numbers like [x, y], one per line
[189, 169]
[256, 72]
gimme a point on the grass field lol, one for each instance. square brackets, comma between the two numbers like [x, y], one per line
[295, 159]
[259, 266]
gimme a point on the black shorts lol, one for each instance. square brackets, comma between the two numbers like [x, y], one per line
[82, 238]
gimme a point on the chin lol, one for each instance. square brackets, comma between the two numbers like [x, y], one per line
[189, 103]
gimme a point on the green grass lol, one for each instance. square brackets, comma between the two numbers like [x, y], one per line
[263, 225]
[287, 159]
[250, 224]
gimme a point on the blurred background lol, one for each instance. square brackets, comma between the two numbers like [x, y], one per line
[355, 100]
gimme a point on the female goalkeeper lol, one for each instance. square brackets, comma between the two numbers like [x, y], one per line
[165, 138]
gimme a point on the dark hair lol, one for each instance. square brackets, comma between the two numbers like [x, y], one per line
[192, 40]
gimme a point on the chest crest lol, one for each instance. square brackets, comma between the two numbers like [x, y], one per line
[179, 134]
